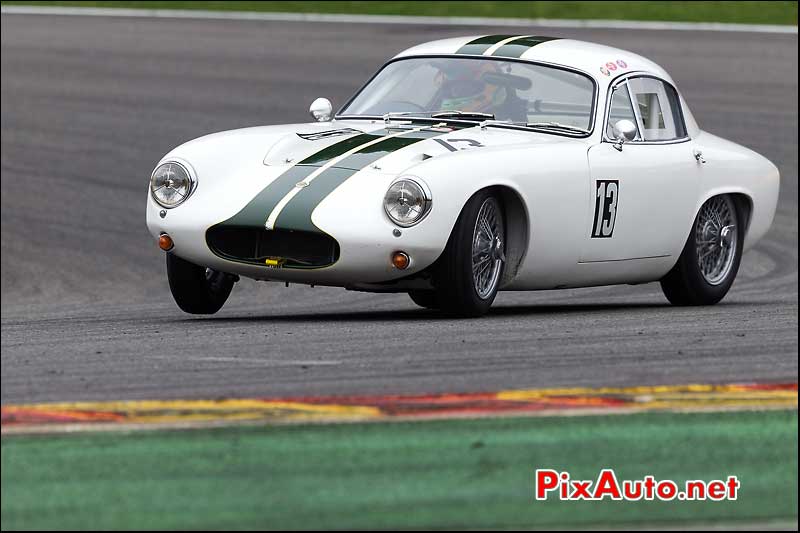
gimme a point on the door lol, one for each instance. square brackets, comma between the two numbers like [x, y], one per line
[641, 192]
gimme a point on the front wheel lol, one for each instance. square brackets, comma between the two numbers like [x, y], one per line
[710, 259]
[426, 299]
[469, 271]
[197, 290]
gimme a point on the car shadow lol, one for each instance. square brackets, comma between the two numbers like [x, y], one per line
[425, 314]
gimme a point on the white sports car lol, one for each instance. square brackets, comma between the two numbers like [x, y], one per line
[467, 166]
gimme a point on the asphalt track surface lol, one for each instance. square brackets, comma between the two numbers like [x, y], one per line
[90, 104]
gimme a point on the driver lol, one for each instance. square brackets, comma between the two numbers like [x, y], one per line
[465, 88]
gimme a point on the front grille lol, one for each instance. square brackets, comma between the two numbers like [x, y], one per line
[299, 249]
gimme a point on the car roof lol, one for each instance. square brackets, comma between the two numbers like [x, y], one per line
[604, 63]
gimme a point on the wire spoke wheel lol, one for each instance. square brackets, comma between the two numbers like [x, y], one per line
[716, 239]
[488, 248]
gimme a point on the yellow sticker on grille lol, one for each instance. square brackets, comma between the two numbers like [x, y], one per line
[275, 262]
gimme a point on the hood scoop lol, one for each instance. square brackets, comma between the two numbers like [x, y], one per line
[294, 147]
[328, 134]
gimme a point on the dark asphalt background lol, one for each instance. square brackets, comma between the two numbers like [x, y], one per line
[90, 104]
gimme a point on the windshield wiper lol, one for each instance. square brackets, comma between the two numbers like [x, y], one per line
[464, 115]
[424, 115]
[555, 125]
[541, 125]
[492, 122]
[399, 114]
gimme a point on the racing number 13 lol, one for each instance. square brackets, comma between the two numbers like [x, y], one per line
[605, 208]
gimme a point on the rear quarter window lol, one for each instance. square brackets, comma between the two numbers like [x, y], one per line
[658, 109]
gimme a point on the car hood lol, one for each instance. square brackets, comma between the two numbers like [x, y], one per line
[277, 176]
[352, 144]
[391, 148]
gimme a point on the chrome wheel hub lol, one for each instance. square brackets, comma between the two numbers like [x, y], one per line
[716, 239]
[488, 249]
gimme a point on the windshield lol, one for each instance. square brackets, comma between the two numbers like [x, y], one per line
[518, 92]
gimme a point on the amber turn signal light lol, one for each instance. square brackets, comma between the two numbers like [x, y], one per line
[165, 242]
[400, 260]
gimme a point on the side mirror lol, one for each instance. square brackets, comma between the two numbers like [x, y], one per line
[321, 109]
[624, 131]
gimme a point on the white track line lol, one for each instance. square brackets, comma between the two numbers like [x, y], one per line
[394, 19]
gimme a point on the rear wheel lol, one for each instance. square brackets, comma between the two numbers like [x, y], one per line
[469, 271]
[710, 259]
[196, 289]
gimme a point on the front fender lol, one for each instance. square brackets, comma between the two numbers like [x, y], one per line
[548, 184]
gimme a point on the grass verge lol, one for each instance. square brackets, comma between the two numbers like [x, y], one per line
[692, 11]
[433, 474]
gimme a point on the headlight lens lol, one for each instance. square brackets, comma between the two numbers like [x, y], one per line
[171, 184]
[407, 202]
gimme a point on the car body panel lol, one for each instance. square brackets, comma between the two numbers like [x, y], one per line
[649, 196]
[331, 177]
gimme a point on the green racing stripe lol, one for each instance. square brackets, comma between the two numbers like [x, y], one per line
[297, 213]
[513, 48]
[517, 47]
[256, 211]
[480, 45]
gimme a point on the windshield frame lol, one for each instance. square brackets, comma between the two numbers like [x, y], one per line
[563, 133]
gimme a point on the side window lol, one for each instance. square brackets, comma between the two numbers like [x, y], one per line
[658, 108]
[621, 108]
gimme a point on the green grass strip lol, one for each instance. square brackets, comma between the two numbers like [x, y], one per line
[434, 474]
[691, 11]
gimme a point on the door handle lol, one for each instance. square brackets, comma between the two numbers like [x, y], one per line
[698, 156]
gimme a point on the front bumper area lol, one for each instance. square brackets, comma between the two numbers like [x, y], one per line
[358, 252]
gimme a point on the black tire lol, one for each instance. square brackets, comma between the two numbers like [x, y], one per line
[686, 283]
[455, 289]
[426, 299]
[197, 290]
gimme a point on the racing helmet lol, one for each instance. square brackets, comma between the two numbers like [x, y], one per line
[464, 88]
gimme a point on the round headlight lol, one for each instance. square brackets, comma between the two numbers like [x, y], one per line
[171, 184]
[407, 202]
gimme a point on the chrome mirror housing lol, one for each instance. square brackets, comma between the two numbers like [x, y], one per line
[321, 109]
[624, 131]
